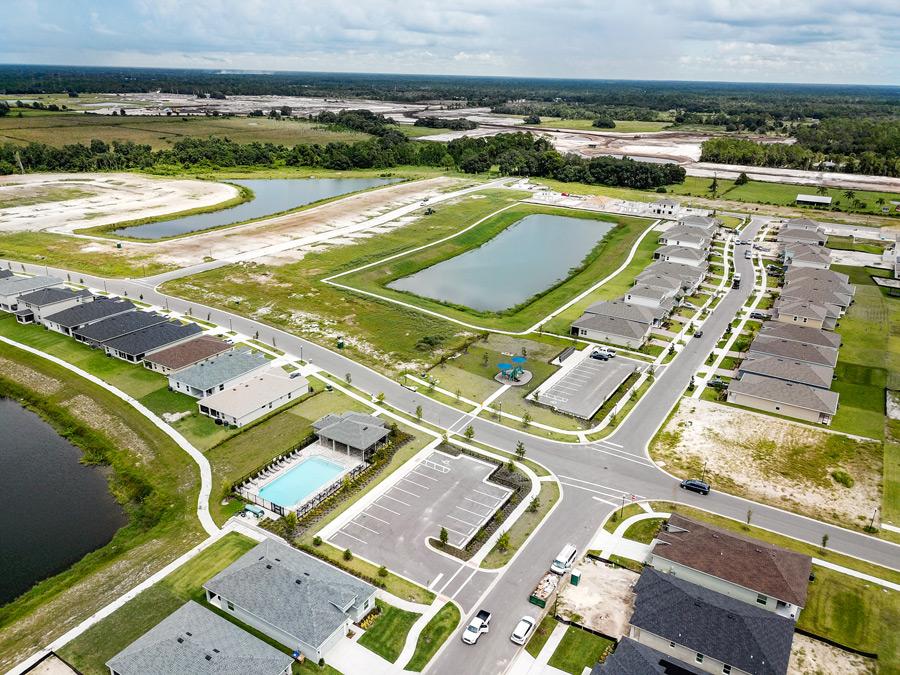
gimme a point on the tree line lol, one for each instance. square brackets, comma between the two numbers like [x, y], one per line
[455, 124]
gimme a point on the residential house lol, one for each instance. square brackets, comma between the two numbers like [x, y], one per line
[36, 305]
[252, 398]
[683, 235]
[186, 354]
[806, 255]
[297, 600]
[664, 207]
[765, 345]
[796, 333]
[134, 346]
[654, 294]
[752, 571]
[110, 328]
[708, 224]
[802, 231]
[711, 631]
[792, 399]
[12, 287]
[681, 255]
[788, 370]
[198, 641]
[86, 313]
[633, 658]
[840, 281]
[611, 329]
[690, 276]
[802, 313]
[217, 373]
[351, 432]
[819, 293]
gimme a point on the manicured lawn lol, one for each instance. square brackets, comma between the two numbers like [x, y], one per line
[541, 635]
[387, 635]
[644, 530]
[435, 633]
[523, 527]
[621, 514]
[90, 650]
[853, 613]
[847, 244]
[579, 650]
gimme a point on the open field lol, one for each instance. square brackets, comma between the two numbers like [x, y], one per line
[161, 132]
[622, 126]
[160, 530]
[41, 195]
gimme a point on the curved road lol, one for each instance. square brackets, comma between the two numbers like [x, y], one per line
[593, 476]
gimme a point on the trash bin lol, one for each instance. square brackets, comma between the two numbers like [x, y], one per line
[576, 577]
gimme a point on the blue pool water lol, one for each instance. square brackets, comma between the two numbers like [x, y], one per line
[300, 482]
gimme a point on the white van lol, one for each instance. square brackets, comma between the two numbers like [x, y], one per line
[564, 560]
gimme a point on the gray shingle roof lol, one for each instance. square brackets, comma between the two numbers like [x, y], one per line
[350, 428]
[798, 351]
[295, 592]
[48, 296]
[620, 309]
[18, 285]
[612, 325]
[117, 326]
[785, 369]
[794, 333]
[686, 273]
[681, 252]
[633, 658]
[801, 308]
[821, 275]
[786, 393]
[807, 253]
[707, 222]
[803, 223]
[86, 312]
[734, 632]
[220, 369]
[812, 291]
[5, 274]
[153, 337]
[197, 641]
[646, 291]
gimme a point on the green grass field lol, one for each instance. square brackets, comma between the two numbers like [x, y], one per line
[387, 635]
[644, 530]
[622, 126]
[579, 650]
[161, 132]
[435, 633]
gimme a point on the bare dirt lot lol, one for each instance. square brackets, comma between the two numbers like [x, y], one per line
[811, 657]
[603, 601]
[821, 474]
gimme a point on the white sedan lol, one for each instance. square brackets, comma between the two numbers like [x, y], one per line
[523, 630]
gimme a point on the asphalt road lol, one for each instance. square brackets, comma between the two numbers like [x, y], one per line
[589, 473]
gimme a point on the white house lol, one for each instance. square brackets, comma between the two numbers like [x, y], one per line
[253, 397]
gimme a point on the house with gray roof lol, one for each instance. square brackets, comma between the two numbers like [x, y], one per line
[633, 658]
[840, 281]
[712, 631]
[198, 641]
[765, 345]
[685, 235]
[34, 306]
[788, 370]
[690, 276]
[212, 375]
[795, 333]
[297, 600]
[653, 295]
[134, 346]
[652, 316]
[801, 401]
[253, 397]
[351, 432]
[805, 313]
[708, 224]
[12, 287]
[792, 234]
[611, 329]
[806, 255]
[110, 328]
[681, 255]
[86, 313]
[821, 294]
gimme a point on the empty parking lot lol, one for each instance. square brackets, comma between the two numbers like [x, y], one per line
[587, 386]
[440, 491]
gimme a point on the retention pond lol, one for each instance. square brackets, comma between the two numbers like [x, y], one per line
[270, 196]
[54, 509]
[528, 257]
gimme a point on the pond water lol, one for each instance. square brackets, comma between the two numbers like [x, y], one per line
[270, 196]
[526, 258]
[54, 510]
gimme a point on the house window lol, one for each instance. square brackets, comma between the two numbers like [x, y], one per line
[761, 599]
[726, 669]
[230, 605]
[699, 658]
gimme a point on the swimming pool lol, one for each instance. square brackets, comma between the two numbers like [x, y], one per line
[300, 482]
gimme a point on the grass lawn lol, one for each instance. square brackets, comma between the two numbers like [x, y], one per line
[847, 244]
[603, 259]
[90, 650]
[622, 126]
[387, 635]
[540, 636]
[167, 527]
[853, 613]
[43, 195]
[621, 514]
[644, 530]
[523, 527]
[579, 650]
[435, 633]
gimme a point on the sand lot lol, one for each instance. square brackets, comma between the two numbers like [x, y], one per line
[114, 197]
[603, 601]
[772, 460]
[811, 657]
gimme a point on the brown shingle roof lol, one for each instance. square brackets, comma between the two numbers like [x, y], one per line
[747, 562]
[189, 353]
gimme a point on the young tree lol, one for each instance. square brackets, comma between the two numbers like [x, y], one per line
[289, 523]
[825, 540]
[348, 555]
[503, 541]
[534, 505]
[348, 378]
[444, 536]
[469, 433]
[419, 413]
[520, 450]
[749, 515]
[526, 419]
[484, 359]
[380, 397]
[741, 179]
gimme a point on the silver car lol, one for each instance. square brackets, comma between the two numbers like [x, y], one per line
[523, 630]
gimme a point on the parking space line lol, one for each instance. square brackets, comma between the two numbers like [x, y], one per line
[480, 515]
[353, 522]
[475, 501]
[461, 534]
[413, 494]
[396, 500]
[415, 483]
[424, 476]
[352, 537]
[396, 513]
[369, 515]
[472, 525]
[487, 494]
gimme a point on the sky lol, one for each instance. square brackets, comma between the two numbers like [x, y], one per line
[816, 41]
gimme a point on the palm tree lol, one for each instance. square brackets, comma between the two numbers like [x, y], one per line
[849, 194]
[822, 190]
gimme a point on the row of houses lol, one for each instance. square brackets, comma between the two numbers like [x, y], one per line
[680, 266]
[789, 367]
[711, 601]
[294, 599]
[234, 386]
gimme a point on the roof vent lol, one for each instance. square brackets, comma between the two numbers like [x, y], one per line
[268, 566]
[298, 581]
[188, 633]
[180, 640]
[306, 574]
[216, 650]
[208, 657]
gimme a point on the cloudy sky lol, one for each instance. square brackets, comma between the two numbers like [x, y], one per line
[841, 41]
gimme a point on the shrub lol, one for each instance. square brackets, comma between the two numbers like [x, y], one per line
[843, 478]
[317, 541]
[348, 555]
[382, 571]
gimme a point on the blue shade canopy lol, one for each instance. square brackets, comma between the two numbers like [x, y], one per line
[519, 359]
[504, 366]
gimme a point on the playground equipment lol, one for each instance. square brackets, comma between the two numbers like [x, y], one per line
[512, 371]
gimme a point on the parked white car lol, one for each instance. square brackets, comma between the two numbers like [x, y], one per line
[523, 630]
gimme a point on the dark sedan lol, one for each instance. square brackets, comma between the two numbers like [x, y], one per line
[695, 485]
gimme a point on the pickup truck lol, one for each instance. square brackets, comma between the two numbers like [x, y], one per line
[480, 624]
